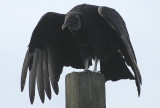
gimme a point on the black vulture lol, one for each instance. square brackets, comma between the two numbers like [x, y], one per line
[100, 33]
[50, 49]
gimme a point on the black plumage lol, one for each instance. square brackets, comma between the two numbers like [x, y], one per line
[101, 34]
[85, 33]
[50, 49]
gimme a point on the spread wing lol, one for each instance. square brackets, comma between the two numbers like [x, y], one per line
[50, 49]
[114, 19]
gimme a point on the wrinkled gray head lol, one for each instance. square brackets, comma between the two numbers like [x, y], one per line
[72, 22]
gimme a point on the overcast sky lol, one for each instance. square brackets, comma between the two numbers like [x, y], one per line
[18, 18]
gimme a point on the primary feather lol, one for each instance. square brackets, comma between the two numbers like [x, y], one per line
[39, 72]
[46, 74]
[24, 70]
[32, 76]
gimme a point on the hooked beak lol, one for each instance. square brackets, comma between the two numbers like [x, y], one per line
[64, 26]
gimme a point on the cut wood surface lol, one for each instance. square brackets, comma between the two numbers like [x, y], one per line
[85, 90]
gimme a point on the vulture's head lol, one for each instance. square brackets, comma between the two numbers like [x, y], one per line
[72, 21]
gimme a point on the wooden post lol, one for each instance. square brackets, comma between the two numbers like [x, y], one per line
[85, 90]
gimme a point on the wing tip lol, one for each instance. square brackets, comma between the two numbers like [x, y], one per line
[31, 101]
[139, 92]
[138, 84]
[22, 88]
[31, 98]
[48, 93]
[56, 88]
[49, 96]
[42, 98]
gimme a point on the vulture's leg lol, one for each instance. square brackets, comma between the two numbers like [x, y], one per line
[95, 65]
[86, 64]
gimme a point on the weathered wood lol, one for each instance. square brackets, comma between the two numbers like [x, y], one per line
[85, 90]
